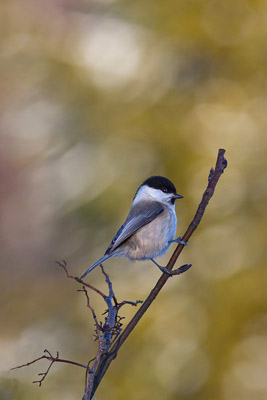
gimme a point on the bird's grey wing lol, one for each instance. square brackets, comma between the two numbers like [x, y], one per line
[140, 215]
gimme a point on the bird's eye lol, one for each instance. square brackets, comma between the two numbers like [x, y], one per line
[165, 190]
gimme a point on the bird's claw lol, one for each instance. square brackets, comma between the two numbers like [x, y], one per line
[179, 241]
[163, 269]
[166, 271]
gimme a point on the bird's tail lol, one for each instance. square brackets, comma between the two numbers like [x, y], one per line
[100, 261]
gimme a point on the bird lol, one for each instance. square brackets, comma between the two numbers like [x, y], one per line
[150, 226]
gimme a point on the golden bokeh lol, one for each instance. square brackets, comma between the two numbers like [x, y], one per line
[95, 97]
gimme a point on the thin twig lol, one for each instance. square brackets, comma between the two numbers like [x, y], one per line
[132, 303]
[52, 360]
[63, 265]
[97, 326]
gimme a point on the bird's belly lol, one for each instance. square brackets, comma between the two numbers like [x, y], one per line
[152, 240]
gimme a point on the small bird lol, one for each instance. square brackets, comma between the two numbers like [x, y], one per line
[150, 226]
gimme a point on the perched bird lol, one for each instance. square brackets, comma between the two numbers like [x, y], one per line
[150, 226]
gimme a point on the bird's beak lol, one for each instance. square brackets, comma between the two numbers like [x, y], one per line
[178, 196]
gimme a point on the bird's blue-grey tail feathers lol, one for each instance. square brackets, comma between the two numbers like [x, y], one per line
[100, 261]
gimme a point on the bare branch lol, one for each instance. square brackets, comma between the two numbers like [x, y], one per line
[48, 356]
[97, 326]
[63, 265]
[132, 303]
[110, 335]
[213, 179]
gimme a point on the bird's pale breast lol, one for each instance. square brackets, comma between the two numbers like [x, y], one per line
[152, 240]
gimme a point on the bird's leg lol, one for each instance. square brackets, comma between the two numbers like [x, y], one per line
[163, 269]
[179, 241]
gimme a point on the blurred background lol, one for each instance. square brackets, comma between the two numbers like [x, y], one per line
[97, 95]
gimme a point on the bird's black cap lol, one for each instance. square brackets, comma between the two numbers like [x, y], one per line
[161, 183]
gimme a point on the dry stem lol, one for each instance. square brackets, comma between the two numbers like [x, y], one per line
[213, 179]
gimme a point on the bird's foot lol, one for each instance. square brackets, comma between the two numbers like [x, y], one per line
[179, 241]
[163, 269]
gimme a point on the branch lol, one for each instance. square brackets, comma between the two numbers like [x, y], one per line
[213, 179]
[48, 356]
[109, 335]
[63, 265]
[106, 333]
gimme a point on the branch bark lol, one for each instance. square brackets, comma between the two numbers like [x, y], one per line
[213, 179]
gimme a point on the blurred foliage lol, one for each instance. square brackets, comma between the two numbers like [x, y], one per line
[95, 97]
